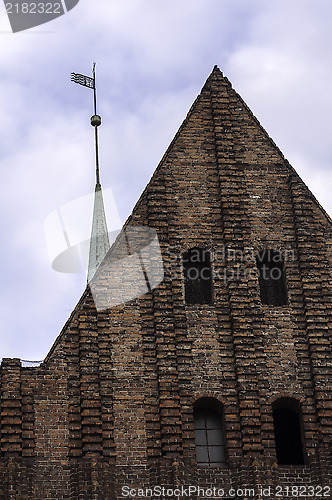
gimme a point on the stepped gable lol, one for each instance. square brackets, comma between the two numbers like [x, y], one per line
[112, 404]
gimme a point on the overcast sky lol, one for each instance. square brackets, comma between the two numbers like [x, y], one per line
[153, 57]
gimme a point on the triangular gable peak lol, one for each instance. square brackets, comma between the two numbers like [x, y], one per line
[222, 181]
[220, 115]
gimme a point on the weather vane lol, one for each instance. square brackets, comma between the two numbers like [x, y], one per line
[99, 241]
[89, 82]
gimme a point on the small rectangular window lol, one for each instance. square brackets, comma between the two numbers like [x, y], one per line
[197, 276]
[287, 432]
[272, 280]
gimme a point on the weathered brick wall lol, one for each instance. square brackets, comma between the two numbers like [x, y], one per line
[112, 405]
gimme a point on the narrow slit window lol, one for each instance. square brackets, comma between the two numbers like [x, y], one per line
[271, 274]
[209, 438]
[287, 433]
[197, 276]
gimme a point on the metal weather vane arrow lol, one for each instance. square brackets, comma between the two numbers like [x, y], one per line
[89, 82]
[99, 241]
[86, 81]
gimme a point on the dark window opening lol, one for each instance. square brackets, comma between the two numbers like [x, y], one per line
[197, 276]
[287, 432]
[209, 438]
[271, 276]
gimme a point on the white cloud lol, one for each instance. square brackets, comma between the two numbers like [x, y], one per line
[152, 60]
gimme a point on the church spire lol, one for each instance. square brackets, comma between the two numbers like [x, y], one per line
[99, 241]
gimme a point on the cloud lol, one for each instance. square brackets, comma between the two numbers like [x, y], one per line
[152, 60]
[284, 75]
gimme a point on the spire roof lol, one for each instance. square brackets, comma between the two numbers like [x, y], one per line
[99, 242]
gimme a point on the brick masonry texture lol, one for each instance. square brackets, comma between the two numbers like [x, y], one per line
[112, 403]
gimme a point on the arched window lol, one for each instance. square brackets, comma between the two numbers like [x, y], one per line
[197, 276]
[271, 275]
[209, 436]
[287, 432]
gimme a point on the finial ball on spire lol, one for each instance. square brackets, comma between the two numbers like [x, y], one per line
[95, 120]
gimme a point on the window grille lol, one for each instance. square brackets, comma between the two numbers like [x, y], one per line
[209, 439]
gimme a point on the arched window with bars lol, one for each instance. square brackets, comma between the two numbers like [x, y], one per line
[209, 433]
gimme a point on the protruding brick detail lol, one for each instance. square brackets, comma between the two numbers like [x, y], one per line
[11, 408]
[315, 276]
[112, 404]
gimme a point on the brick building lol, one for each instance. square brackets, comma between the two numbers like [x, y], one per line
[220, 376]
